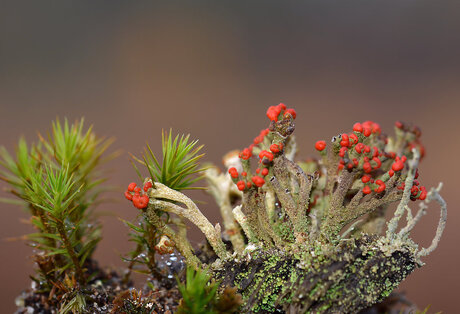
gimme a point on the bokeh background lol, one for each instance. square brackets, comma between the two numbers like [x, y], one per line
[133, 68]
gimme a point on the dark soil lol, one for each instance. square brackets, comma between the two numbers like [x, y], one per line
[107, 293]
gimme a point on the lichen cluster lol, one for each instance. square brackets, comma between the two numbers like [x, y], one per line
[290, 222]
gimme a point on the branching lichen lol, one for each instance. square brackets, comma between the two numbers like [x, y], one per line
[298, 215]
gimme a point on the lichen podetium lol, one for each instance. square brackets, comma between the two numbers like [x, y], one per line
[306, 236]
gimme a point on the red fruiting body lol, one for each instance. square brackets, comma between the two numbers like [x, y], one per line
[391, 173]
[266, 154]
[264, 171]
[342, 151]
[377, 160]
[259, 139]
[365, 178]
[132, 186]
[275, 148]
[397, 165]
[359, 147]
[143, 201]
[136, 199]
[399, 124]
[282, 106]
[376, 128]
[423, 194]
[376, 151]
[354, 137]
[140, 202]
[241, 185]
[128, 196]
[245, 154]
[244, 173]
[249, 184]
[367, 167]
[367, 132]
[137, 190]
[273, 112]
[381, 187]
[258, 170]
[291, 112]
[367, 190]
[367, 149]
[147, 186]
[233, 172]
[320, 145]
[357, 127]
[355, 162]
[344, 142]
[258, 181]
[391, 155]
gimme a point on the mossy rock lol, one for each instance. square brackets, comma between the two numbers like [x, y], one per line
[345, 278]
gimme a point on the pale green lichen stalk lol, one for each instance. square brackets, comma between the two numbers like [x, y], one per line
[284, 217]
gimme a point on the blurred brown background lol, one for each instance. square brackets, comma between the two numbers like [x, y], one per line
[211, 68]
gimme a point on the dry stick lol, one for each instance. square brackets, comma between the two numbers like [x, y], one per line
[393, 223]
[434, 195]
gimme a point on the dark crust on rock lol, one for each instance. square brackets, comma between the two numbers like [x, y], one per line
[357, 275]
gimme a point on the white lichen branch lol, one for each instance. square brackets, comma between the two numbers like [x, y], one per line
[412, 221]
[161, 192]
[393, 223]
[434, 195]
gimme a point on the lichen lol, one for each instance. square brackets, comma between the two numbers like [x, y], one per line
[308, 236]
